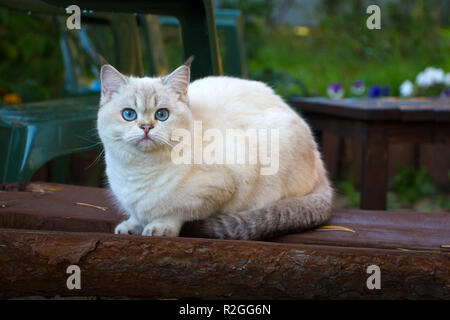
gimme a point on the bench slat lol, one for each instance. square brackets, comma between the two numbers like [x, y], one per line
[49, 206]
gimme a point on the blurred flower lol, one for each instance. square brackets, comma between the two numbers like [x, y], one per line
[437, 75]
[301, 31]
[358, 88]
[445, 93]
[12, 98]
[335, 91]
[430, 76]
[374, 92]
[406, 88]
[447, 79]
[423, 80]
[385, 91]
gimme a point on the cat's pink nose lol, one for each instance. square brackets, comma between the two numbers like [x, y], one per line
[146, 127]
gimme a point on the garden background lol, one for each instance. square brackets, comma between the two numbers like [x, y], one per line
[297, 47]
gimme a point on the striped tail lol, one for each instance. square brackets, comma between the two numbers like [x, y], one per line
[276, 218]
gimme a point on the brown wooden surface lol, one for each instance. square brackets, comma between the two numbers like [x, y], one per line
[35, 262]
[374, 169]
[436, 159]
[53, 207]
[331, 147]
[408, 248]
[389, 108]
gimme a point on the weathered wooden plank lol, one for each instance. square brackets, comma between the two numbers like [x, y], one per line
[436, 159]
[361, 109]
[412, 112]
[35, 263]
[331, 147]
[381, 229]
[389, 108]
[374, 170]
[342, 127]
[53, 207]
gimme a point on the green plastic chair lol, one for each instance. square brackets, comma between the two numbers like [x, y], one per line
[32, 134]
[196, 17]
[229, 23]
[35, 133]
[126, 55]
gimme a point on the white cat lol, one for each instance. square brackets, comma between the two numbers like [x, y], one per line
[136, 121]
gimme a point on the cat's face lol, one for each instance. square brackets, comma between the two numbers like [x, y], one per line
[140, 114]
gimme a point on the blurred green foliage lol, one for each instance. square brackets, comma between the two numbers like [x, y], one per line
[411, 184]
[30, 56]
[352, 196]
[410, 188]
[341, 49]
[338, 48]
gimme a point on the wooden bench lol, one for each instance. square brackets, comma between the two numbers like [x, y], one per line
[46, 227]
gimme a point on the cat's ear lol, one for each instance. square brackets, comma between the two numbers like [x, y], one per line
[178, 80]
[112, 80]
[102, 60]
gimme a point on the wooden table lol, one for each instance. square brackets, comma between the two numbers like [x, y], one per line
[378, 123]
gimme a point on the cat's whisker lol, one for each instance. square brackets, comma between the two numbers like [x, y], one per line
[163, 140]
[86, 148]
[88, 140]
[133, 138]
[93, 132]
[96, 159]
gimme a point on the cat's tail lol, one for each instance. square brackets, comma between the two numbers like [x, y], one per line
[280, 217]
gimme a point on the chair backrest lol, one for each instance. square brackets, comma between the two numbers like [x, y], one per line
[153, 44]
[229, 24]
[114, 36]
[92, 37]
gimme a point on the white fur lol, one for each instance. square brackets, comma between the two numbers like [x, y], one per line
[160, 195]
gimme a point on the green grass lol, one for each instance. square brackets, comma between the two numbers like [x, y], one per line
[317, 64]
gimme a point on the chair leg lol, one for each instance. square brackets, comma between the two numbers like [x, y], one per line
[15, 151]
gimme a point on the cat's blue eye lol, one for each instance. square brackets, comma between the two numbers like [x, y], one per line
[162, 114]
[129, 114]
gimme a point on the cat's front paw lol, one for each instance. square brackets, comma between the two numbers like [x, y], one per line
[130, 226]
[161, 228]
